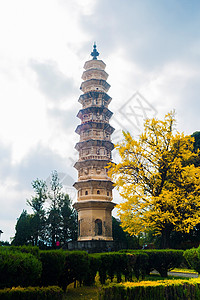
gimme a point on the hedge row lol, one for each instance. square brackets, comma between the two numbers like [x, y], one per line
[192, 256]
[54, 267]
[152, 290]
[160, 260]
[117, 264]
[34, 250]
[63, 267]
[32, 293]
[136, 263]
[60, 268]
[18, 268]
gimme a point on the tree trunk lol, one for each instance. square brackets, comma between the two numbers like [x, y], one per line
[165, 237]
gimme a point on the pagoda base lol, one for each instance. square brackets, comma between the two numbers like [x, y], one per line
[92, 246]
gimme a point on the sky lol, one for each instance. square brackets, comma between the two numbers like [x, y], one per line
[152, 53]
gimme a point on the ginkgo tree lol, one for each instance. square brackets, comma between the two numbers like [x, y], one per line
[161, 190]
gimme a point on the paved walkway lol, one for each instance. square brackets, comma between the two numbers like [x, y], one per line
[190, 275]
[179, 274]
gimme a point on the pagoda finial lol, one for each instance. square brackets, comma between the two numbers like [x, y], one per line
[94, 53]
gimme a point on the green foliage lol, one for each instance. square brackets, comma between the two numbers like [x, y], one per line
[53, 267]
[160, 260]
[119, 234]
[115, 264]
[123, 238]
[164, 260]
[152, 290]
[24, 249]
[32, 293]
[94, 264]
[77, 264]
[18, 268]
[196, 136]
[23, 229]
[58, 222]
[192, 257]
[141, 265]
[63, 267]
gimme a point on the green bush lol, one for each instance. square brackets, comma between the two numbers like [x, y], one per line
[105, 267]
[115, 263]
[63, 267]
[77, 266]
[32, 293]
[24, 249]
[94, 263]
[192, 257]
[164, 260]
[18, 268]
[141, 264]
[53, 267]
[152, 290]
[160, 260]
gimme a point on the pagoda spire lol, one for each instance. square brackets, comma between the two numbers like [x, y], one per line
[94, 53]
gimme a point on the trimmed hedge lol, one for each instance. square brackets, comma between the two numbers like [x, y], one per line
[135, 262]
[63, 267]
[53, 266]
[94, 264]
[18, 268]
[152, 290]
[32, 293]
[192, 257]
[34, 250]
[115, 264]
[164, 260]
[160, 260]
[76, 266]
[60, 268]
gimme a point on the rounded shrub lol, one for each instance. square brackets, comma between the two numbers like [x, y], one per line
[61, 267]
[18, 268]
[164, 260]
[192, 257]
[53, 267]
[76, 266]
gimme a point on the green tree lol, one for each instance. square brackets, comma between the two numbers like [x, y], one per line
[23, 230]
[69, 220]
[38, 220]
[58, 222]
[123, 239]
[160, 189]
[54, 219]
[62, 218]
[196, 136]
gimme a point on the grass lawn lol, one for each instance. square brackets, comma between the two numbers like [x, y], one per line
[84, 292]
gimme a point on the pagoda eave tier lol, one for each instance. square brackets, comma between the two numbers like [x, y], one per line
[94, 183]
[95, 109]
[91, 162]
[95, 95]
[94, 84]
[94, 72]
[94, 64]
[94, 125]
[90, 143]
[81, 205]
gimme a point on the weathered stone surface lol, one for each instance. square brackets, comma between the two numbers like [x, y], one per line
[94, 187]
